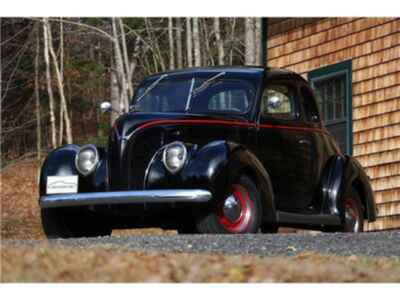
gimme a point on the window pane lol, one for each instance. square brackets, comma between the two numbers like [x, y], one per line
[278, 101]
[229, 100]
[332, 94]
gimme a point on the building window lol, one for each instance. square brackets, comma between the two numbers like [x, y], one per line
[332, 86]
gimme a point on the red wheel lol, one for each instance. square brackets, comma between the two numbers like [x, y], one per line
[235, 212]
[239, 212]
[353, 214]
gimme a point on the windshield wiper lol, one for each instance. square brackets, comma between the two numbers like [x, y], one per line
[148, 89]
[206, 84]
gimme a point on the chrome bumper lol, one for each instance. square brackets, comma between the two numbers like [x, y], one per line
[125, 197]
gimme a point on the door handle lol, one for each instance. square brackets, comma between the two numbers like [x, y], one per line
[304, 141]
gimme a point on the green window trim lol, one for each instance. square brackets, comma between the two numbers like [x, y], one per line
[331, 71]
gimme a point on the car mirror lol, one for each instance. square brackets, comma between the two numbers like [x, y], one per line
[105, 107]
[274, 102]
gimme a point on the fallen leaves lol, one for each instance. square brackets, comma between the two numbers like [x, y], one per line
[47, 263]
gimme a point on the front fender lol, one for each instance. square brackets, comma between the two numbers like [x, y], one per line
[215, 167]
[61, 162]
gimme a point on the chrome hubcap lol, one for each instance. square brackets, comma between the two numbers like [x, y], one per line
[232, 209]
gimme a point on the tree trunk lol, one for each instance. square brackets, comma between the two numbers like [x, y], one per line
[154, 42]
[196, 42]
[208, 51]
[220, 42]
[171, 44]
[60, 83]
[126, 59]
[120, 68]
[37, 99]
[232, 40]
[189, 42]
[115, 99]
[179, 43]
[249, 42]
[61, 119]
[49, 87]
[257, 42]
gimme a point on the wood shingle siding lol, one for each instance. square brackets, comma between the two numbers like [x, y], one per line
[373, 45]
[376, 146]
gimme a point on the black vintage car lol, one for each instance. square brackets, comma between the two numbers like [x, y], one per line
[209, 150]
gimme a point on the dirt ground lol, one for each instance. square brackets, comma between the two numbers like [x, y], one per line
[44, 263]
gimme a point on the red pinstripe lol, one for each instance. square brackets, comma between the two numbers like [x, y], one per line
[230, 123]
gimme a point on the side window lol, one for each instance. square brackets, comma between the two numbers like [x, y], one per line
[278, 101]
[309, 104]
[229, 100]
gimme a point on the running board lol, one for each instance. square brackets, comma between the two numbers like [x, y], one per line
[293, 218]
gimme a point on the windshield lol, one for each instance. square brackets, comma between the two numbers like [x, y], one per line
[215, 92]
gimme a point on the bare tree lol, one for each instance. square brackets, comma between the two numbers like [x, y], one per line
[189, 42]
[115, 94]
[171, 44]
[154, 42]
[121, 77]
[208, 52]
[232, 40]
[60, 83]
[257, 46]
[249, 41]
[37, 99]
[196, 42]
[219, 41]
[179, 56]
[128, 67]
[49, 87]
[61, 119]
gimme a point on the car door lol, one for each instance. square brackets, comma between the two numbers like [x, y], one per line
[323, 148]
[285, 147]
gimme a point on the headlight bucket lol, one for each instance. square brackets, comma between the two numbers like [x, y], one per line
[87, 159]
[174, 156]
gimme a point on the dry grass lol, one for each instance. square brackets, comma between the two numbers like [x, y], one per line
[108, 264]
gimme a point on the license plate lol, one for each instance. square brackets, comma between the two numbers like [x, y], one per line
[62, 184]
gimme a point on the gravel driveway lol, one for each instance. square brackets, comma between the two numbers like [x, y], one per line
[368, 244]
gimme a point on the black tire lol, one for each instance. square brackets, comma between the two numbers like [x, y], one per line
[269, 228]
[244, 191]
[351, 199]
[72, 223]
[188, 228]
[353, 213]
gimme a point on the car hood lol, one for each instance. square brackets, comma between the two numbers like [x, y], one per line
[129, 123]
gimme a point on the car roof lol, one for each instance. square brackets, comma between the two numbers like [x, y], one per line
[270, 72]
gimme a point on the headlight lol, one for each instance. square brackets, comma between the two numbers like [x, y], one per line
[174, 156]
[87, 159]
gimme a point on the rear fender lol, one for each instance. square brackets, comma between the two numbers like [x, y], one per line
[341, 174]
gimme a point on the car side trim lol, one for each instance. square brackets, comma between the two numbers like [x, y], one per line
[126, 197]
[229, 123]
